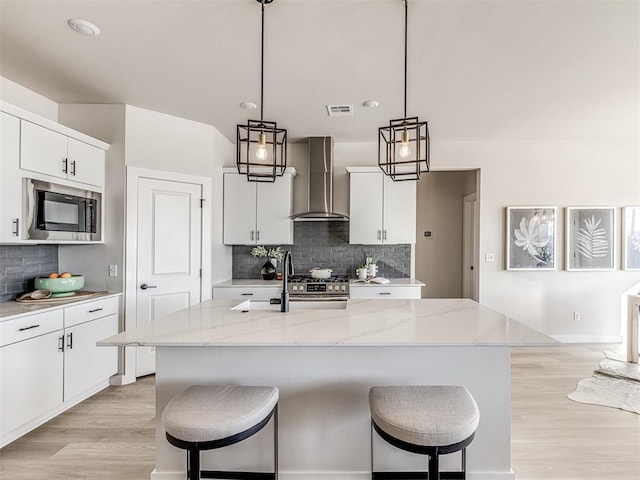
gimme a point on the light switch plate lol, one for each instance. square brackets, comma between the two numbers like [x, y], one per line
[113, 270]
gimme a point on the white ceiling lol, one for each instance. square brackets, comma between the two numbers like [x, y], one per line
[478, 69]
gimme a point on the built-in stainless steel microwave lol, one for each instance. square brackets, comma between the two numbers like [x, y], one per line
[61, 213]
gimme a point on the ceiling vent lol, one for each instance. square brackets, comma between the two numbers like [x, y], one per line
[340, 110]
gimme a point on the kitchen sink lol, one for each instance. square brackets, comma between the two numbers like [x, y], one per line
[294, 306]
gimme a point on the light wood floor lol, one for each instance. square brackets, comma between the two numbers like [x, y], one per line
[111, 435]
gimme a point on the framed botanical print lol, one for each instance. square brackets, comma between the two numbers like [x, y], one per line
[531, 238]
[590, 238]
[631, 238]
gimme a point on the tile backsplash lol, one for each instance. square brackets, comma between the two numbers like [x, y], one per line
[326, 245]
[20, 264]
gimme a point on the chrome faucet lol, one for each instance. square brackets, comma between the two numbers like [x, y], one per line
[287, 269]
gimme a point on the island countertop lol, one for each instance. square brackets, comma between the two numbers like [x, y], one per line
[401, 322]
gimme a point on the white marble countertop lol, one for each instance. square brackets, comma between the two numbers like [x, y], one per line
[426, 322]
[12, 309]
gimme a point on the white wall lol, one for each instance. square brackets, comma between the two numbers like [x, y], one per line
[105, 122]
[22, 97]
[561, 173]
[164, 142]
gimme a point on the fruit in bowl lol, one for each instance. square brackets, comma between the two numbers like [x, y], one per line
[62, 285]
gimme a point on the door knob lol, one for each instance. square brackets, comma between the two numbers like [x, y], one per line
[144, 286]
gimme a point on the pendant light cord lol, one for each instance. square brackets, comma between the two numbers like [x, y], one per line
[262, 66]
[406, 15]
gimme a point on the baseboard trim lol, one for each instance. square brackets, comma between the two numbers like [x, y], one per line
[338, 475]
[588, 338]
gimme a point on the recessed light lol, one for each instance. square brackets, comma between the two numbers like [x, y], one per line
[248, 105]
[83, 27]
[370, 103]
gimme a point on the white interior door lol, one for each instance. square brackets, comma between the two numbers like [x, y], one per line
[168, 253]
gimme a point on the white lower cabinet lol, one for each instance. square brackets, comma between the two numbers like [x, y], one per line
[84, 362]
[261, 294]
[30, 381]
[50, 361]
[383, 292]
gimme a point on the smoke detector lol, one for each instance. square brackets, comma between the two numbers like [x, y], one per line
[340, 110]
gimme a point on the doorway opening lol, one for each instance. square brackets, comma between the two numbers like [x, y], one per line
[447, 235]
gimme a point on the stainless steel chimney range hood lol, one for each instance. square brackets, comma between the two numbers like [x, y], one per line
[320, 183]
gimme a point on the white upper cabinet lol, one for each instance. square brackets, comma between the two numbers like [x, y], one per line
[381, 211]
[256, 212]
[51, 153]
[399, 211]
[10, 184]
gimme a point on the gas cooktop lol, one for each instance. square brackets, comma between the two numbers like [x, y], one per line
[305, 286]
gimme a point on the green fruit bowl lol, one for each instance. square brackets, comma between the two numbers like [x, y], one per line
[60, 287]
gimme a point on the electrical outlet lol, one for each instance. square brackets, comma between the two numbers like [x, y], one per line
[490, 257]
[576, 316]
[113, 270]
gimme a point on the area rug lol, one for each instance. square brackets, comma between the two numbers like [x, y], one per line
[616, 383]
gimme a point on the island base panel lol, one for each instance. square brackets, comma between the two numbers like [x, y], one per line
[324, 421]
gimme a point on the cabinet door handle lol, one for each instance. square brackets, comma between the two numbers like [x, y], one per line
[384, 234]
[73, 168]
[70, 341]
[28, 328]
[246, 294]
[16, 223]
[98, 309]
[379, 234]
[257, 235]
[65, 166]
[61, 343]
[252, 235]
[384, 293]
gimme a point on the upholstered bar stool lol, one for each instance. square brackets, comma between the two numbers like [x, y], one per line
[206, 417]
[430, 420]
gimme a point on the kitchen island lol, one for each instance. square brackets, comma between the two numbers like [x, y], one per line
[324, 358]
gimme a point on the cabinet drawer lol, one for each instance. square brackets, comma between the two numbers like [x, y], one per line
[247, 293]
[383, 292]
[90, 311]
[30, 326]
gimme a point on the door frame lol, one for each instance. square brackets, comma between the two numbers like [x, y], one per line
[133, 174]
[470, 246]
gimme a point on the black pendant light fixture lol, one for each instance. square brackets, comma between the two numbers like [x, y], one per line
[261, 146]
[403, 145]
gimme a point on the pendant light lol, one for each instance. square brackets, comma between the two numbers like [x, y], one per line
[261, 146]
[403, 145]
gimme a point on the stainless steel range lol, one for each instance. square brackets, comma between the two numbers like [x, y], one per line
[303, 287]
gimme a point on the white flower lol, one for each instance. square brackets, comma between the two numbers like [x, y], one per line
[531, 236]
[260, 251]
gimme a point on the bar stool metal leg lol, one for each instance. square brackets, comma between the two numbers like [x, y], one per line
[193, 464]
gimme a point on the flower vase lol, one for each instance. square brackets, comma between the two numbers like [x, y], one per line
[268, 270]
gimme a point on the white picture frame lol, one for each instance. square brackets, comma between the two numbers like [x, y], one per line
[631, 238]
[590, 238]
[531, 238]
